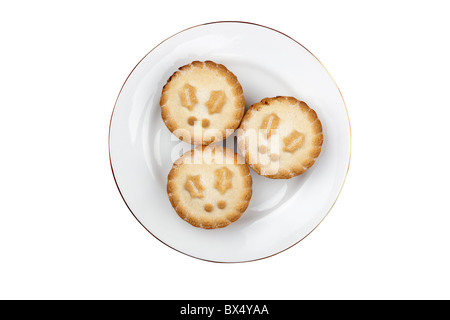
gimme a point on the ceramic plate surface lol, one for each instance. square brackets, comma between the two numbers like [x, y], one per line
[267, 63]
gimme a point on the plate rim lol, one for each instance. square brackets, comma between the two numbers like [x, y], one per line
[261, 26]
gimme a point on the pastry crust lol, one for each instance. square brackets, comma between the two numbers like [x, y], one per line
[291, 129]
[203, 93]
[209, 186]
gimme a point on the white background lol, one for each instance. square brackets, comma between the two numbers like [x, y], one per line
[65, 232]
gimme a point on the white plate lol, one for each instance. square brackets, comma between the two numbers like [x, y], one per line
[267, 63]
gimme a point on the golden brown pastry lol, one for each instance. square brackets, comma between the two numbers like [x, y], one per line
[280, 137]
[210, 186]
[202, 102]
